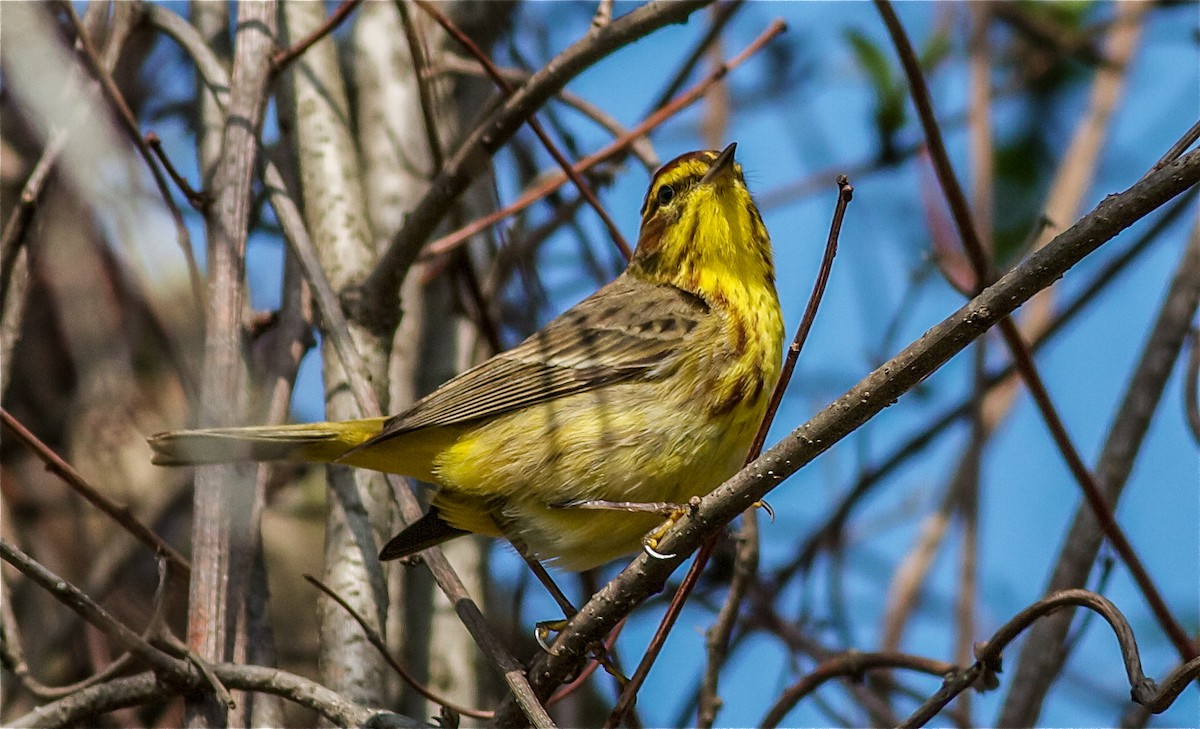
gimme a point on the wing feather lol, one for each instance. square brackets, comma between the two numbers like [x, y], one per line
[628, 329]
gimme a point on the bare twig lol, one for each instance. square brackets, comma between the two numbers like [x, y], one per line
[1035, 669]
[829, 532]
[717, 637]
[1188, 139]
[120, 514]
[371, 302]
[380, 645]
[987, 663]
[641, 148]
[584, 188]
[282, 58]
[145, 688]
[196, 199]
[721, 16]
[852, 665]
[113, 94]
[549, 185]
[74, 598]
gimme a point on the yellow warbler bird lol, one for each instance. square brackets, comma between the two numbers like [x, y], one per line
[650, 390]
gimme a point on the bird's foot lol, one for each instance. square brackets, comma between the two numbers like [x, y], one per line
[651, 540]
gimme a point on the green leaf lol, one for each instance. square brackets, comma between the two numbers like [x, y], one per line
[873, 61]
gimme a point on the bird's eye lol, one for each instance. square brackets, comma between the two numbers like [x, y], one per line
[666, 194]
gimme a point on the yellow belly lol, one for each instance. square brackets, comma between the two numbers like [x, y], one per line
[636, 442]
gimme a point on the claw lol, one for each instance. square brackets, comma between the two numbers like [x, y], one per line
[762, 504]
[542, 630]
[654, 553]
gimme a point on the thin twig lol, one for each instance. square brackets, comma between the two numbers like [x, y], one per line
[717, 637]
[120, 514]
[831, 528]
[721, 16]
[374, 299]
[613, 150]
[584, 189]
[374, 638]
[18, 220]
[196, 199]
[641, 148]
[86, 608]
[987, 663]
[282, 58]
[129, 122]
[852, 665]
[1188, 139]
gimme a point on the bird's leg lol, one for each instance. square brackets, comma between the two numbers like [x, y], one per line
[543, 628]
[663, 508]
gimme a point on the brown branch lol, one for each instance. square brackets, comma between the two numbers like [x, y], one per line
[1188, 139]
[1036, 669]
[987, 654]
[717, 637]
[640, 148]
[120, 514]
[852, 665]
[282, 58]
[721, 16]
[372, 302]
[86, 608]
[196, 199]
[146, 688]
[878, 390]
[18, 220]
[584, 189]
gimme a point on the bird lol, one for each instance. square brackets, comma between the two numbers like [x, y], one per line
[649, 391]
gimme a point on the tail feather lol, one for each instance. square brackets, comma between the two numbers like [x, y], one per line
[316, 442]
[428, 531]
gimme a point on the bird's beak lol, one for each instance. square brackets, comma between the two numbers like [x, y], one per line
[723, 163]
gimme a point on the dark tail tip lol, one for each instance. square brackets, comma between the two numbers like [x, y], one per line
[428, 531]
